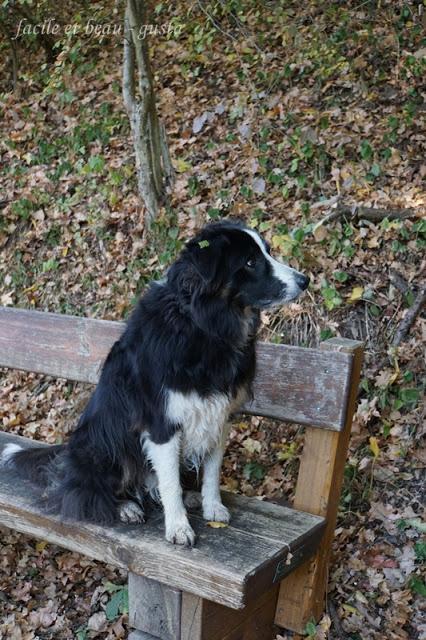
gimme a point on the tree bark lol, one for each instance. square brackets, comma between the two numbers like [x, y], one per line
[153, 165]
[13, 53]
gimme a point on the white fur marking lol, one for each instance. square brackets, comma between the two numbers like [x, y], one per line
[284, 273]
[131, 513]
[8, 452]
[202, 420]
[165, 459]
[204, 434]
[213, 509]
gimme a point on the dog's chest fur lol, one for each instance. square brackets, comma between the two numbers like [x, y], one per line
[202, 419]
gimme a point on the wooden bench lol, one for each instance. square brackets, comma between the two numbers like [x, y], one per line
[270, 563]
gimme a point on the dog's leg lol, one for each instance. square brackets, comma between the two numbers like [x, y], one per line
[165, 459]
[213, 509]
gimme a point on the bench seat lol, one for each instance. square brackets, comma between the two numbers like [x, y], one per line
[231, 565]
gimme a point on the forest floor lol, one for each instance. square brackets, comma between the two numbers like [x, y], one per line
[285, 115]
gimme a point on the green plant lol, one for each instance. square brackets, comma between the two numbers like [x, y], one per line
[332, 300]
[254, 471]
[23, 208]
[420, 551]
[118, 602]
[81, 633]
[417, 585]
[310, 629]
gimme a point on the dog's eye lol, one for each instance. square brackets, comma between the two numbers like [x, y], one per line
[251, 263]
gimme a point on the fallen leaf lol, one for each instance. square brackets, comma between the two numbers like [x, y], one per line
[356, 294]
[97, 622]
[259, 185]
[40, 546]
[181, 165]
[374, 447]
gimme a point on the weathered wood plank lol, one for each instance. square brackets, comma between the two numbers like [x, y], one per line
[318, 489]
[57, 345]
[231, 565]
[154, 608]
[141, 635]
[306, 386]
[203, 620]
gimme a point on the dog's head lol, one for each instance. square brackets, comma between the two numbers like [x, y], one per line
[234, 261]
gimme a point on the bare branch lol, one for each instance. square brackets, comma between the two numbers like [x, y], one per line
[410, 317]
[356, 212]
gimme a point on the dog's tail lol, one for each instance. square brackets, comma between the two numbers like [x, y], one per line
[33, 463]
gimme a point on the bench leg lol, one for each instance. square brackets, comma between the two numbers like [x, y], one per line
[154, 609]
[322, 464]
[160, 612]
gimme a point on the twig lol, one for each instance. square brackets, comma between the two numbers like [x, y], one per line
[356, 212]
[215, 23]
[336, 621]
[376, 215]
[410, 317]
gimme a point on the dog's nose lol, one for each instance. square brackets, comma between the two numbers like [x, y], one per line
[302, 281]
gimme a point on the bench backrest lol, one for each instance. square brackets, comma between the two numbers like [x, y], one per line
[293, 384]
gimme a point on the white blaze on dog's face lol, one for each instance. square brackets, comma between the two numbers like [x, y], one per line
[292, 282]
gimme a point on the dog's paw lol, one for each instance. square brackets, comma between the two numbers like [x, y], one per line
[131, 513]
[216, 512]
[181, 533]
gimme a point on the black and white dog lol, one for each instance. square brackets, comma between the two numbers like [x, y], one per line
[184, 363]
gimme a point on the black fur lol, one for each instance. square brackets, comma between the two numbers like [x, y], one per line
[195, 331]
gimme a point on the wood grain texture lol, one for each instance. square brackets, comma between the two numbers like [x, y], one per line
[306, 386]
[203, 620]
[318, 491]
[141, 635]
[55, 344]
[231, 565]
[154, 608]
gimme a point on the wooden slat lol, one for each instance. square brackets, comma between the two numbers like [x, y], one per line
[154, 608]
[55, 344]
[230, 566]
[318, 489]
[306, 386]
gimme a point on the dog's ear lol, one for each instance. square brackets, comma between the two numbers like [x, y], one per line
[207, 256]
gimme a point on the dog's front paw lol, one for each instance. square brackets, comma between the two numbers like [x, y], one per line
[131, 513]
[216, 512]
[180, 533]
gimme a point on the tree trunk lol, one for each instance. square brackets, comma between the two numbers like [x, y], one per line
[153, 164]
[13, 53]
